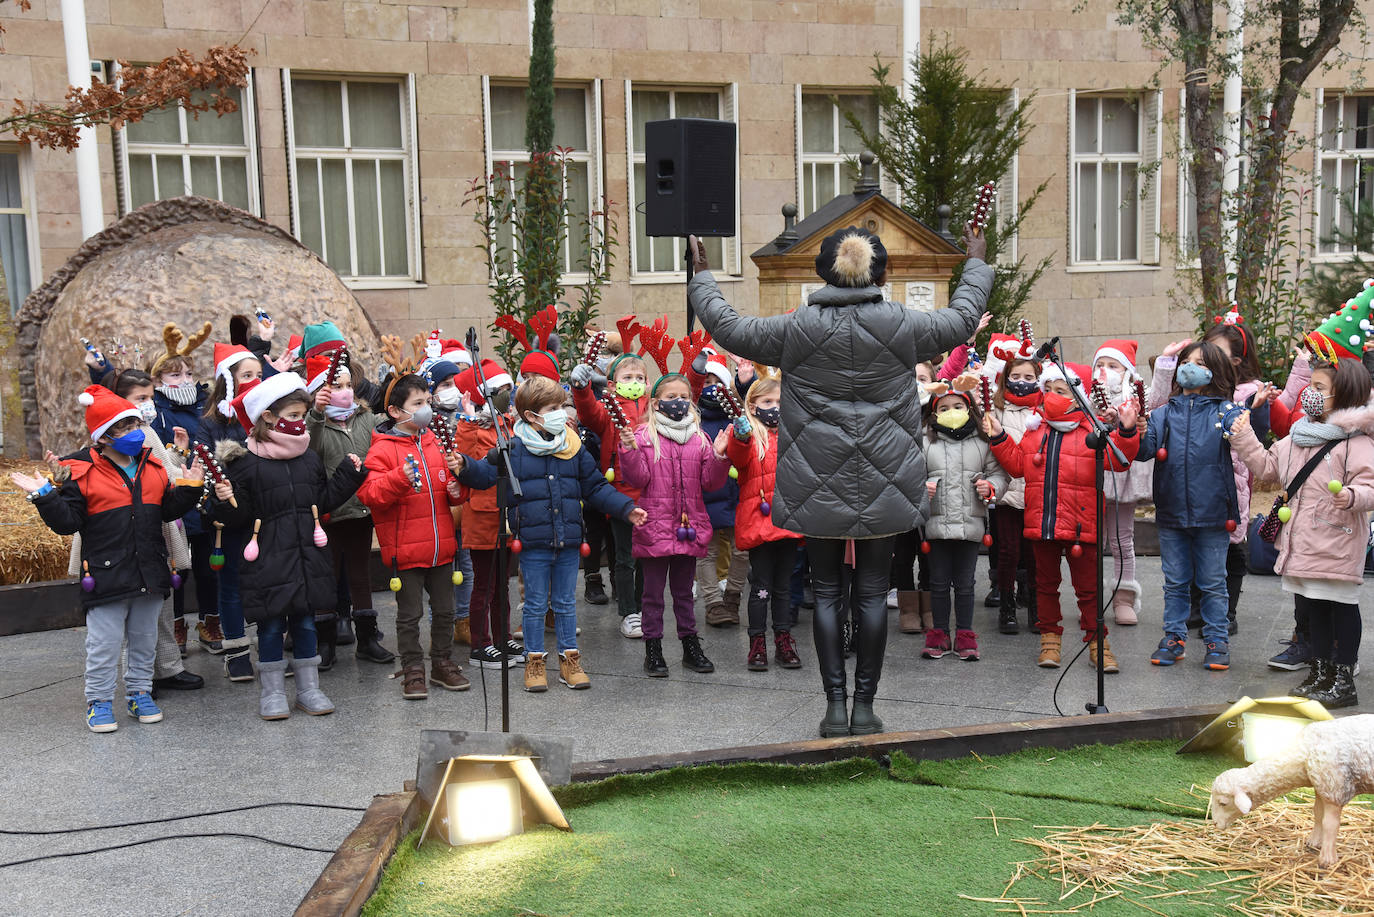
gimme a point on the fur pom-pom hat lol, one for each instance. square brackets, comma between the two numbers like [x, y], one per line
[851, 257]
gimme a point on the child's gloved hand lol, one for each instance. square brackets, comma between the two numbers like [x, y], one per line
[743, 428]
[581, 376]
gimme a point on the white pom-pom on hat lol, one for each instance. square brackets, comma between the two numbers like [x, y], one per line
[85, 399]
[854, 260]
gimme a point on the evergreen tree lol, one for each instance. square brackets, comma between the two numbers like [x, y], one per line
[542, 230]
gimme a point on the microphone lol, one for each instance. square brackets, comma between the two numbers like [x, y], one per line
[1046, 349]
[471, 341]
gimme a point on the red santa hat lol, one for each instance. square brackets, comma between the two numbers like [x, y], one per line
[1122, 351]
[454, 351]
[718, 366]
[227, 356]
[260, 394]
[1003, 347]
[496, 378]
[316, 371]
[104, 409]
[536, 363]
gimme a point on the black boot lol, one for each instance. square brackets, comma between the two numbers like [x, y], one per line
[828, 634]
[1339, 690]
[872, 642]
[595, 593]
[1024, 590]
[993, 599]
[864, 722]
[369, 640]
[692, 656]
[345, 633]
[836, 722]
[1318, 678]
[654, 663]
[1233, 584]
[1006, 616]
[326, 639]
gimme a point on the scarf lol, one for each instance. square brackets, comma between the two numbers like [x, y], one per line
[962, 433]
[679, 431]
[537, 441]
[1310, 433]
[1063, 426]
[279, 446]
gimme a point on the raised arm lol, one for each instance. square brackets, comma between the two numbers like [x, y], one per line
[946, 329]
[754, 338]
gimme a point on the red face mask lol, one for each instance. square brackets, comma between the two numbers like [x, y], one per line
[1057, 407]
[290, 427]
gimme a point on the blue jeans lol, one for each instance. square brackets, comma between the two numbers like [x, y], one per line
[550, 581]
[302, 637]
[1194, 556]
[230, 602]
[462, 595]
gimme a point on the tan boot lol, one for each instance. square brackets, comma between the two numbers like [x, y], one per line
[1049, 651]
[570, 670]
[909, 612]
[732, 603]
[535, 680]
[927, 616]
[718, 616]
[462, 632]
[1109, 665]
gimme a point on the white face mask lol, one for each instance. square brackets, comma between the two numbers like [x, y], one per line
[148, 411]
[554, 422]
[1111, 379]
[450, 399]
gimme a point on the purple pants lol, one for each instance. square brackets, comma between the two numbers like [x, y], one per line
[678, 572]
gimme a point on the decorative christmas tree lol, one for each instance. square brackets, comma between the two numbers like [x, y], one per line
[1344, 333]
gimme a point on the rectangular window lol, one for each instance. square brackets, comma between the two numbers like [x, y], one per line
[18, 228]
[351, 146]
[659, 257]
[576, 126]
[1345, 159]
[1114, 194]
[171, 152]
[827, 144]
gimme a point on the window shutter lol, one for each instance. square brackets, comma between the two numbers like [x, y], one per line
[412, 165]
[292, 183]
[632, 222]
[1008, 192]
[797, 145]
[1072, 221]
[731, 246]
[1319, 100]
[486, 155]
[1152, 108]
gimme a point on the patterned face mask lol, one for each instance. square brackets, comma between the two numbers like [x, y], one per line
[1313, 403]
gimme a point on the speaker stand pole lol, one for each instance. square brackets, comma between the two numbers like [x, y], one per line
[691, 315]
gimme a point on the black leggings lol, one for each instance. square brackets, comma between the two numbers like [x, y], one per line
[953, 564]
[1335, 628]
[906, 552]
[872, 566]
[770, 585]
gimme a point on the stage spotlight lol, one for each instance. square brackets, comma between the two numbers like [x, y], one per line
[1255, 729]
[485, 798]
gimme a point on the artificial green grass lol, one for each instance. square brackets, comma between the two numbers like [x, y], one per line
[834, 840]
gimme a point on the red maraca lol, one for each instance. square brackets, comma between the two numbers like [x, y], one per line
[1161, 454]
[585, 549]
[925, 547]
[515, 546]
[1230, 525]
[1076, 551]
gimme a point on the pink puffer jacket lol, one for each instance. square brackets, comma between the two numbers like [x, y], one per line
[1320, 541]
[670, 487]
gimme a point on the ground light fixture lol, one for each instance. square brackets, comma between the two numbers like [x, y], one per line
[1255, 729]
[486, 798]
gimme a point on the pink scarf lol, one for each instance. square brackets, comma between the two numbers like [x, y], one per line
[279, 446]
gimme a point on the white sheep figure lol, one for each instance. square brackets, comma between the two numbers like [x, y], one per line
[1335, 758]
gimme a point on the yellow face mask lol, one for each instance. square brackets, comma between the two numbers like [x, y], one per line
[952, 419]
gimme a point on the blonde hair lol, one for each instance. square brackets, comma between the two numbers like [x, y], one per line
[760, 388]
[536, 392]
[651, 428]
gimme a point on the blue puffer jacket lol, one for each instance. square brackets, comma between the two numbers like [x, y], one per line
[548, 513]
[1194, 485]
[720, 504]
[187, 417]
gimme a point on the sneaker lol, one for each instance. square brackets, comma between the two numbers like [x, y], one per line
[993, 599]
[1295, 655]
[100, 716]
[570, 670]
[1109, 663]
[143, 708]
[209, 635]
[966, 645]
[937, 644]
[758, 654]
[179, 632]
[238, 666]
[515, 651]
[413, 682]
[892, 598]
[486, 657]
[1218, 657]
[1170, 650]
[786, 650]
[535, 680]
[629, 627]
[446, 674]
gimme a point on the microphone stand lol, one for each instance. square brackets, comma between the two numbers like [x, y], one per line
[691, 313]
[1099, 440]
[507, 484]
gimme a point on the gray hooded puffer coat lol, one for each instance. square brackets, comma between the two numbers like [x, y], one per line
[849, 447]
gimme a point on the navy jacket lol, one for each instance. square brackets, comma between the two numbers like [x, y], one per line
[720, 504]
[1195, 486]
[548, 513]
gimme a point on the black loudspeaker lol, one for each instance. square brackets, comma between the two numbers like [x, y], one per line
[689, 168]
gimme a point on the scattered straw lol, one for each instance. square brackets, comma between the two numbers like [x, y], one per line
[1259, 866]
[30, 552]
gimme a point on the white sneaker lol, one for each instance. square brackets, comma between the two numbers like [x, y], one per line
[629, 627]
[892, 598]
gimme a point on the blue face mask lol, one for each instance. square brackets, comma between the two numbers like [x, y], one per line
[129, 444]
[1191, 376]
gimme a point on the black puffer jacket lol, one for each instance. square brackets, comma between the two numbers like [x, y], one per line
[849, 447]
[291, 575]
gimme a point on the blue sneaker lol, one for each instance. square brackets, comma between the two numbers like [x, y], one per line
[1218, 657]
[100, 716]
[143, 708]
[1170, 650]
[1296, 655]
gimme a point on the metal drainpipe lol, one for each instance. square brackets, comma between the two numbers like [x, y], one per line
[1231, 112]
[87, 152]
[911, 42]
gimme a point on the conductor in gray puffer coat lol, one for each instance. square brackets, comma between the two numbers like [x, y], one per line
[849, 446]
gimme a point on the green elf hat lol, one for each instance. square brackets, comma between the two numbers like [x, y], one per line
[1344, 333]
[320, 338]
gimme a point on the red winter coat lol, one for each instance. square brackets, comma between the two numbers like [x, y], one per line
[479, 513]
[593, 416]
[414, 528]
[1068, 511]
[756, 481]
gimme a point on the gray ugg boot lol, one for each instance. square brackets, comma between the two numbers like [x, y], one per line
[309, 697]
[272, 705]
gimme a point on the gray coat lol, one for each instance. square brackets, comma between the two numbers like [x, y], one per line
[957, 513]
[849, 447]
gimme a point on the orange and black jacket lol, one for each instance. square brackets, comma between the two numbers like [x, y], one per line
[120, 521]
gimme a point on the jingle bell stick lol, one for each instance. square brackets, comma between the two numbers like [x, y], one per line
[213, 468]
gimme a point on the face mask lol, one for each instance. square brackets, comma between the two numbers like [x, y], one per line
[341, 398]
[769, 417]
[1022, 388]
[554, 422]
[450, 399]
[500, 401]
[634, 390]
[673, 409]
[953, 419]
[1111, 379]
[290, 427]
[1057, 407]
[422, 417]
[148, 411]
[335, 412]
[710, 395]
[129, 444]
[1191, 376]
[182, 394]
[1313, 403]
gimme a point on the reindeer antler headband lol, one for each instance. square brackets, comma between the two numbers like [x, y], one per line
[178, 345]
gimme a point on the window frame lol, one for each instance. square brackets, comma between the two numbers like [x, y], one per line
[837, 161]
[1321, 156]
[592, 156]
[28, 209]
[1147, 160]
[250, 151]
[730, 246]
[408, 156]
